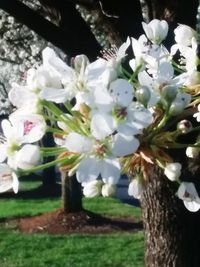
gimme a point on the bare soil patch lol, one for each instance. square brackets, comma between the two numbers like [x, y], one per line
[58, 222]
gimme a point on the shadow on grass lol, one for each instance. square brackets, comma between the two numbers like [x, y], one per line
[39, 192]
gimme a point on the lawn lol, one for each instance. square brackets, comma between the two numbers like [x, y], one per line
[42, 250]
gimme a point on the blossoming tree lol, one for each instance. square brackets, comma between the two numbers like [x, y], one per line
[117, 120]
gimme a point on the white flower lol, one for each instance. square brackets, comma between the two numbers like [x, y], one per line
[135, 188]
[192, 152]
[20, 130]
[190, 58]
[8, 179]
[173, 171]
[115, 55]
[98, 157]
[108, 190]
[187, 192]
[162, 76]
[130, 117]
[73, 80]
[156, 30]
[184, 35]
[28, 157]
[90, 168]
[92, 189]
[197, 114]
[30, 128]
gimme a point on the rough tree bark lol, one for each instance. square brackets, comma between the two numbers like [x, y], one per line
[163, 224]
[172, 233]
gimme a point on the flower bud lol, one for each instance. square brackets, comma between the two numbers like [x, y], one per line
[169, 92]
[92, 189]
[80, 62]
[156, 30]
[184, 126]
[135, 188]
[192, 152]
[143, 95]
[108, 190]
[180, 103]
[176, 108]
[173, 171]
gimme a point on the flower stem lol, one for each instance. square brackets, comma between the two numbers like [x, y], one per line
[63, 161]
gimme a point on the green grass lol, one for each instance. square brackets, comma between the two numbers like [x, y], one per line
[17, 250]
[111, 207]
[19, 207]
[42, 250]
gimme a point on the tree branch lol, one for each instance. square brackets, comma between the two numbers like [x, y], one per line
[72, 41]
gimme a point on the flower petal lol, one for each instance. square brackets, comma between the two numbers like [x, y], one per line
[124, 145]
[28, 157]
[122, 92]
[52, 61]
[6, 179]
[102, 125]
[110, 170]
[135, 188]
[15, 183]
[20, 96]
[55, 95]
[88, 170]
[192, 206]
[3, 152]
[77, 143]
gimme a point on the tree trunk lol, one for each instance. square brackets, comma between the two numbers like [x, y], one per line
[49, 174]
[172, 233]
[71, 193]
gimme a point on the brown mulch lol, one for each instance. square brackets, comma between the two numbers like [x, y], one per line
[58, 222]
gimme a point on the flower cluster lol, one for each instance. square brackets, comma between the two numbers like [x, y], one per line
[107, 118]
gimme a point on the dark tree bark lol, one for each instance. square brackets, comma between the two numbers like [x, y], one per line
[49, 174]
[71, 193]
[118, 20]
[177, 11]
[75, 39]
[172, 233]
[126, 17]
[163, 224]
